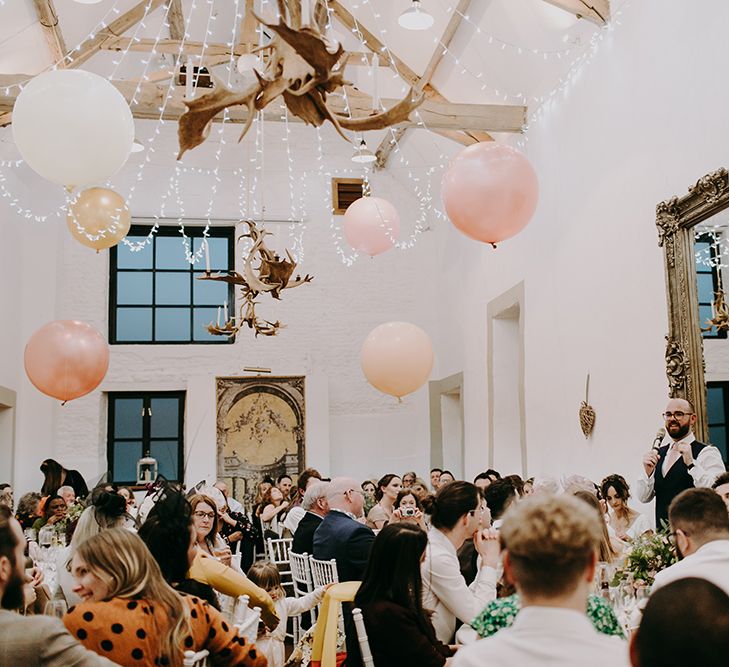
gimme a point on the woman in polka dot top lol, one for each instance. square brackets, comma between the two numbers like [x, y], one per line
[130, 615]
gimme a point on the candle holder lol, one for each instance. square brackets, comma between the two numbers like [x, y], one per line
[146, 470]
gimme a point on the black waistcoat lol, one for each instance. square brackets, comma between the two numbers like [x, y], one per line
[678, 479]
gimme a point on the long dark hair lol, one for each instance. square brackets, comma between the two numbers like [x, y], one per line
[393, 569]
[451, 502]
[53, 472]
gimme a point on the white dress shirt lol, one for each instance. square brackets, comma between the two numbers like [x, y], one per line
[710, 562]
[444, 588]
[546, 637]
[235, 506]
[708, 465]
[293, 516]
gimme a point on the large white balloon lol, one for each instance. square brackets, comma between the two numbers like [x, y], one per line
[73, 127]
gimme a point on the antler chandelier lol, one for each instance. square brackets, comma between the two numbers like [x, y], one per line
[303, 67]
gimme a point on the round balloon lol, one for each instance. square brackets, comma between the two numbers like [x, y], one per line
[73, 127]
[371, 225]
[101, 214]
[397, 358]
[490, 192]
[66, 359]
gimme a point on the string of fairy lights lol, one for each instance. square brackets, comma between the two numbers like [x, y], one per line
[420, 171]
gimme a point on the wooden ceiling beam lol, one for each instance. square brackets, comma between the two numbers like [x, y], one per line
[436, 115]
[388, 143]
[51, 30]
[596, 11]
[176, 19]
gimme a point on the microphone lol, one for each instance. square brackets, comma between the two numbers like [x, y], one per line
[659, 439]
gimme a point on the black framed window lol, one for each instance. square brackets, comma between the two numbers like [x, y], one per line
[145, 424]
[154, 294]
[707, 281]
[717, 412]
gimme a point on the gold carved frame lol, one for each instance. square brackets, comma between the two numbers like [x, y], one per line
[675, 219]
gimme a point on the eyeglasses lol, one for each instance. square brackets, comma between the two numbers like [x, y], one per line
[677, 415]
[204, 515]
[672, 536]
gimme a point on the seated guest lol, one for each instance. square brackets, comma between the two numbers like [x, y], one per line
[233, 504]
[269, 511]
[128, 495]
[528, 487]
[435, 474]
[170, 536]
[213, 571]
[700, 529]
[31, 641]
[420, 489]
[399, 629]
[206, 521]
[721, 486]
[316, 507]
[368, 490]
[550, 555]
[68, 495]
[386, 492]
[456, 516]
[517, 482]
[130, 614]
[296, 512]
[684, 623]
[56, 476]
[54, 510]
[609, 548]
[284, 484]
[446, 477]
[499, 496]
[408, 479]
[28, 509]
[626, 523]
[6, 495]
[409, 508]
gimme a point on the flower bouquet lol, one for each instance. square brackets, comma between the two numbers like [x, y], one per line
[647, 555]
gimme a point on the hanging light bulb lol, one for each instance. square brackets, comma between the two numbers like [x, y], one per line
[362, 154]
[414, 18]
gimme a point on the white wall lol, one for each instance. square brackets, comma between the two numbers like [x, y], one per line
[642, 123]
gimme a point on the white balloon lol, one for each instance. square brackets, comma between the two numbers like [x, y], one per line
[73, 127]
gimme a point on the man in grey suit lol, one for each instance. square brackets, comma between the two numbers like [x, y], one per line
[31, 640]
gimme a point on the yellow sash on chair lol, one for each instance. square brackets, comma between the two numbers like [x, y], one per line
[324, 649]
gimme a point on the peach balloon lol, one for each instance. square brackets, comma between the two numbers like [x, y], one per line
[371, 225]
[102, 214]
[66, 359]
[490, 192]
[397, 358]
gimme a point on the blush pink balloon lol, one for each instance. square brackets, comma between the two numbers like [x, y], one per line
[66, 359]
[371, 224]
[397, 358]
[490, 192]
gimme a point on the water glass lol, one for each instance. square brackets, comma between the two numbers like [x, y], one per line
[56, 608]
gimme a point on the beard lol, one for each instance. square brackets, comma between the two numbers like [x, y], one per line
[680, 432]
[13, 595]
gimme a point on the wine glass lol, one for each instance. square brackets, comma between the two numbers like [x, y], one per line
[56, 608]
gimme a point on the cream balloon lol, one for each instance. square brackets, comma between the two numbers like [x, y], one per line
[101, 214]
[73, 127]
[371, 224]
[397, 358]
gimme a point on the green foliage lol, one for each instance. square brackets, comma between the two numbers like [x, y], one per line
[648, 555]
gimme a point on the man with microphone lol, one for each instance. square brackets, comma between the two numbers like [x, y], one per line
[681, 463]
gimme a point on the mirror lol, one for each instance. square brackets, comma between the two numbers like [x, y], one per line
[691, 233]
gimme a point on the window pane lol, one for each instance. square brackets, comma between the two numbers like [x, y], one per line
[128, 417]
[203, 317]
[166, 452]
[705, 284]
[126, 259]
[172, 288]
[133, 324]
[126, 455]
[218, 253]
[134, 288]
[717, 437]
[171, 253]
[209, 292]
[165, 416]
[715, 405]
[172, 324]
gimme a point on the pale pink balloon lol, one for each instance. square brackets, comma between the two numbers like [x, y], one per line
[371, 225]
[66, 359]
[397, 358]
[490, 191]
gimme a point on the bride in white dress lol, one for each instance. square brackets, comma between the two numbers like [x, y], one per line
[625, 521]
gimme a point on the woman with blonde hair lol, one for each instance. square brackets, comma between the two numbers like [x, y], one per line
[132, 616]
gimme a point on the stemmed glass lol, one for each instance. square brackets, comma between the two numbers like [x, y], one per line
[55, 608]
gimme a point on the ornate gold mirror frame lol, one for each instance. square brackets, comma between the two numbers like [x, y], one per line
[676, 219]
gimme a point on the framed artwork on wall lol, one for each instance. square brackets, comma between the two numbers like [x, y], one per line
[261, 431]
